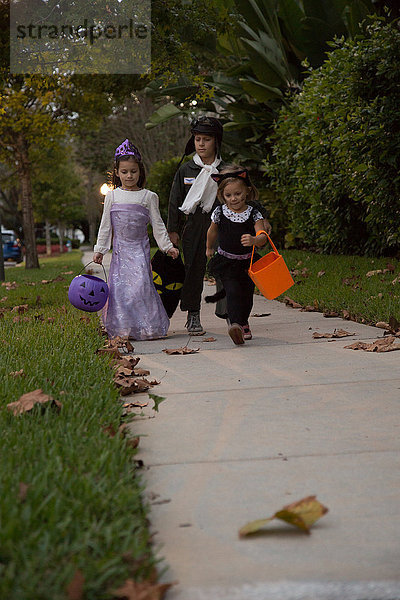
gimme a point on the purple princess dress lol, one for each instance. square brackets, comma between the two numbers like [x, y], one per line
[134, 308]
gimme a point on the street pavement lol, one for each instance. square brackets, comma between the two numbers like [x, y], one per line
[245, 430]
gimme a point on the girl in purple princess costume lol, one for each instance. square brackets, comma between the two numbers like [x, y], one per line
[134, 308]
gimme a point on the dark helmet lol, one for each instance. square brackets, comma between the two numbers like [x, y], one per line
[207, 126]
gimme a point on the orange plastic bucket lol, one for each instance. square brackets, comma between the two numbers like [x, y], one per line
[270, 273]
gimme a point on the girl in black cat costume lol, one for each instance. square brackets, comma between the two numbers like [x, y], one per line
[235, 225]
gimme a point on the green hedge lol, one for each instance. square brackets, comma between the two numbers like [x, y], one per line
[335, 163]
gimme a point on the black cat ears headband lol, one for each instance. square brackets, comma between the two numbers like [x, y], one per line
[243, 175]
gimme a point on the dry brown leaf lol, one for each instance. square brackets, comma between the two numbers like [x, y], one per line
[20, 309]
[142, 372]
[320, 273]
[142, 590]
[27, 401]
[114, 352]
[75, 587]
[385, 344]
[261, 315]
[135, 403]
[133, 442]
[132, 385]
[10, 285]
[154, 382]
[396, 280]
[3, 299]
[308, 308]
[330, 314]
[120, 342]
[337, 333]
[346, 314]
[303, 514]
[19, 373]
[23, 490]
[129, 361]
[382, 325]
[184, 350]
[289, 302]
[210, 339]
[66, 272]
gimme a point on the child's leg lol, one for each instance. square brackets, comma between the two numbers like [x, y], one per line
[239, 298]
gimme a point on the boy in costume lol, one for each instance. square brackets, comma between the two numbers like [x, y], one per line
[192, 200]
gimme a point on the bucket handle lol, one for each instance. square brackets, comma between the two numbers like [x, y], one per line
[89, 263]
[270, 241]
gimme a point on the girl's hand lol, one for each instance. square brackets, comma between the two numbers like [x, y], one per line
[210, 252]
[267, 226]
[174, 252]
[248, 240]
[98, 258]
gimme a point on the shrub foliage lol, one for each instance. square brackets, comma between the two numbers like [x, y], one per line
[335, 162]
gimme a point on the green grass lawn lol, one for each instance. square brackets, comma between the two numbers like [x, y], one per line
[82, 507]
[344, 285]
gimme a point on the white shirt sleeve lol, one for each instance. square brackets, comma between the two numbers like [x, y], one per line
[157, 224]
[105, 231]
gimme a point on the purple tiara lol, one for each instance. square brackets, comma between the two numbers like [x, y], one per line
[128, 149]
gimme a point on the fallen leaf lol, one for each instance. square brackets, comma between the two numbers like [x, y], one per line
[382, 325]
[129, 361]
[20, 309]
[337, 333]
[385, 344]
[396, 280]
[308, 308]
[17, 373]
[302, 514]
[289, 302]
[261, 315]
[394, 323]
[75, 587]
[320, 273]
[131, 385]
[114, 352]
[210, 339]
[133, 442]
[27, 401]
[23, 490]
[66, 272]
[330, 314]
[135, 403]
[390, 267]
[346, 314]
[142, 372]
[142, 590]
[184, 350]
[157, 400]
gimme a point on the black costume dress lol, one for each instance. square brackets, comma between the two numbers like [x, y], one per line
[231, 262]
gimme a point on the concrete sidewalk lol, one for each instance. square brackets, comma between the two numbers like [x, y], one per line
[247, 429]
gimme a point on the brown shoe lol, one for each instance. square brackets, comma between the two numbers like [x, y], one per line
[235, 332]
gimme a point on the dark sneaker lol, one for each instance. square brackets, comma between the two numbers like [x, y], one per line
[235, 332]
[193, 324]
[246, 332]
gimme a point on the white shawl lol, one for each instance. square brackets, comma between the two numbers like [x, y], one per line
[204, 189]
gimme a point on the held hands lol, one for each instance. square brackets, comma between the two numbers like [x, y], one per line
[174, 252]
[174, 237]
[98, 258]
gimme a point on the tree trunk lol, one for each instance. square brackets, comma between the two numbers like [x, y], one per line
[48, 237]
[2, 273]
[28, 225]
[61, 229]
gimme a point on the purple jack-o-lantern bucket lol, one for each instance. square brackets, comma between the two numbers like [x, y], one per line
[88, 292]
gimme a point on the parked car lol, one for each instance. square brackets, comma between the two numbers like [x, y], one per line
[12, 248]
